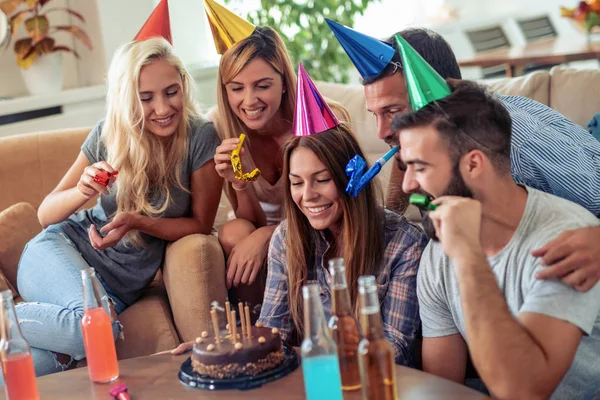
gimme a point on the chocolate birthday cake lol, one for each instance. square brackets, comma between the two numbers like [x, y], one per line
[248, 355]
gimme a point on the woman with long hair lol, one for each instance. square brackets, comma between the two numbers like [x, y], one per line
[166, 188]
[322, 222]
[256, 96]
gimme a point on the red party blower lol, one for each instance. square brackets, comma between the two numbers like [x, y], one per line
[119, 392]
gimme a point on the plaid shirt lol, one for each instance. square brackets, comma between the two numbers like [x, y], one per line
[396, 281]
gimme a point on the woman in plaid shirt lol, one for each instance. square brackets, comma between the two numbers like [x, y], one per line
[323, 222]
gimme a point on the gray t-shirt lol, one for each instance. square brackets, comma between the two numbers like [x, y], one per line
[545, 217]
[126, 269]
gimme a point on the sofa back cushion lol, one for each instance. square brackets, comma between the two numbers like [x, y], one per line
[574, 93]
[18, 225]
[535, 86]
[32, 165]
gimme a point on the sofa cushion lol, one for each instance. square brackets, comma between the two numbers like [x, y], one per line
[363, 122]
[18, 225]
[535, 86]
[40, 159]
[147, 324]
[574, 93]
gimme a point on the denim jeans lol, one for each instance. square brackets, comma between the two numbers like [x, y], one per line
[49, 280]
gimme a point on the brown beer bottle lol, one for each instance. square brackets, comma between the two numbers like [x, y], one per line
[343, 326]
[375, 353]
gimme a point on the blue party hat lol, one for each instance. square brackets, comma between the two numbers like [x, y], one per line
[369, 55]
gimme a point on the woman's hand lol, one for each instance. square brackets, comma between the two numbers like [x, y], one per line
[114, 231]
[247, 258]
[86, 184]
[182, 348]
[223, 161]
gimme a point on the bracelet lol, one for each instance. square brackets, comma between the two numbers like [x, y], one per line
[242, 189]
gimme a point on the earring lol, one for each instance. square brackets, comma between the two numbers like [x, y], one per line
[283, 91]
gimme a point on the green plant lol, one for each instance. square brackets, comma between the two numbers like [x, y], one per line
[35, 21]
[306, 34]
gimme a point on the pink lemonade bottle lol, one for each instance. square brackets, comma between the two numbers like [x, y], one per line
[97, 331]
[17, 365]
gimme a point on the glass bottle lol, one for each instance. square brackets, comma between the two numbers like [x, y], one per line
[319, 353]
[376, 354]
[97, 331]
[15, 354]
[343, 326]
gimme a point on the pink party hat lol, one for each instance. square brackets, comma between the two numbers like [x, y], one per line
[312, 114]
[158, 24]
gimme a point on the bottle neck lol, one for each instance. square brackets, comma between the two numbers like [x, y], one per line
[92, 291]
[370, 316]
[9, 324]
[314, 316]
[340, 304]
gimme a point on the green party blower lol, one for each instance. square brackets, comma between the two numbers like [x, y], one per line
[422, 202]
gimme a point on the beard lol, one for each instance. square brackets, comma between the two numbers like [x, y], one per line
[456, 187]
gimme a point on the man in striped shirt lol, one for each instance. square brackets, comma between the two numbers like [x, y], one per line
[548, 152]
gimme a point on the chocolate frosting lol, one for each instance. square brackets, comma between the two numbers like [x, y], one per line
[225, 353]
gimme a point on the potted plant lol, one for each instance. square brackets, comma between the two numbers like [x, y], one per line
[586, 16]
[38, 55]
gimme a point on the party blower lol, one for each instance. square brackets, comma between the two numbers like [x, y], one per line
[357, 164]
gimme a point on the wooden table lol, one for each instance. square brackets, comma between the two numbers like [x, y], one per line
[547, 51]
[155, 377]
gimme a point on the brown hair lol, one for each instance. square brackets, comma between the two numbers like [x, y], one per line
[362, 218]
[470, 118]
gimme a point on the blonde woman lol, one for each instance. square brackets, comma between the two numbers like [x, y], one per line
[256, 96]
[166, 188]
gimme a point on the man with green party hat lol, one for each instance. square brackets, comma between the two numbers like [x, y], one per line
[477, 282]
[542, 140]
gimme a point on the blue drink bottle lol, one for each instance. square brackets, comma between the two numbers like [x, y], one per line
[319, 353]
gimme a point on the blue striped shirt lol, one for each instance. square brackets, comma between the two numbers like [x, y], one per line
[553, 154]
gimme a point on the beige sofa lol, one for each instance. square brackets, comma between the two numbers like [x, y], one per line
[176, 306]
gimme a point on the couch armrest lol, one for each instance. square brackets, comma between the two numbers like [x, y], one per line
[194, 276]
[18, 225]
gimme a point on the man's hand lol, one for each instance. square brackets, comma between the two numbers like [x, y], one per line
[457, 223]
[573, 257]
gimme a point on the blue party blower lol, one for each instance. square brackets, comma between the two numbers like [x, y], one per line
[358, 182]
[354, 171]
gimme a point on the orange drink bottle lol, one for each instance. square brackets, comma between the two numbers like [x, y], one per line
[97, 331]
[17, 365]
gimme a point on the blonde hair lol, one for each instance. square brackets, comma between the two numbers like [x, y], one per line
[148, 166]
[361, 241]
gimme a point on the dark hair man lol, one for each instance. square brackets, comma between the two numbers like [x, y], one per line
[476, 284]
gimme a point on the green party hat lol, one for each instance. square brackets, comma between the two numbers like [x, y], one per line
[424, 84]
